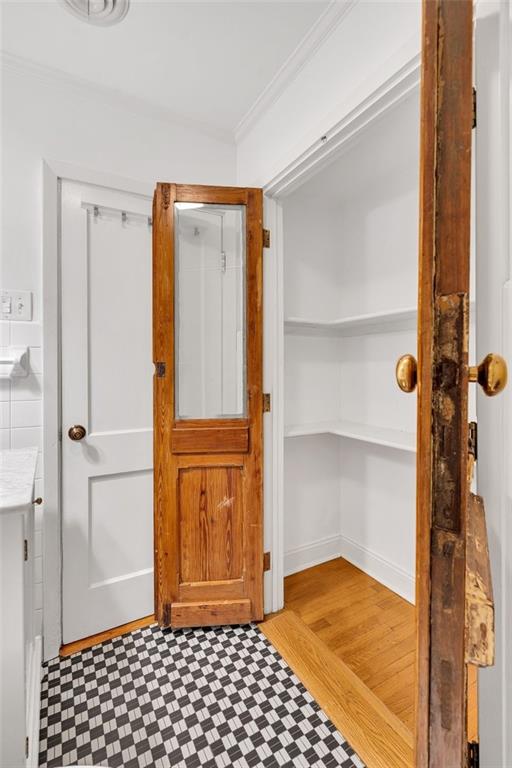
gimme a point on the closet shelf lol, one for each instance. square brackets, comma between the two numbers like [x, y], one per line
[386, 436]
[375, 322]
[359, 325]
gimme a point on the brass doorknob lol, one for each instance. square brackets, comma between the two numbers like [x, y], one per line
[77, 432]
[491, 374]
[407, 373]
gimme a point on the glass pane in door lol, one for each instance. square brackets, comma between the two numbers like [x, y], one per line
[209, 311]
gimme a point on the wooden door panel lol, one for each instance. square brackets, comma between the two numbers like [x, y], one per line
[208, 471]
[210, 502]
[210, 612]
[216, 439]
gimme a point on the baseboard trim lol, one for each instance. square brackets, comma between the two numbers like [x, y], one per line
[384, 571]
[68, 649]
[307, 556]
[34, 702]
[376, 566]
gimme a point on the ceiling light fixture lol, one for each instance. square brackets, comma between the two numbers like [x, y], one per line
[100, 12]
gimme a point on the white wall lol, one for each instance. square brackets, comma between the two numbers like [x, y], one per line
[313, 276]
[312, 486]
[41, 119]
[493, 334]
[367, 46]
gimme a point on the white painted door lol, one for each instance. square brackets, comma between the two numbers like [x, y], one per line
[107, 376]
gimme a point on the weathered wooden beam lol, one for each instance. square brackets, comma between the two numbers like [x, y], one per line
[480, 634]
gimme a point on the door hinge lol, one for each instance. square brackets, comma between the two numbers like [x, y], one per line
[473, 754]
[267, 402]
[25, 549]
[474, 108]
[266, 561]
[160, 370]
[266, 238]
[473, 439]
[27, 747]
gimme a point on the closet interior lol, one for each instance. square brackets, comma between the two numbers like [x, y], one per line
[350, 236]
[350, 305]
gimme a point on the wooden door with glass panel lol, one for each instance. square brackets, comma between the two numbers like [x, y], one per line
[207, 345]
[455, 621]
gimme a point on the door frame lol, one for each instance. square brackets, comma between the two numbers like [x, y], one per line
[53, 172]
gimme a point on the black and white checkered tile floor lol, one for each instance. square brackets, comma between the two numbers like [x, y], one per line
[207, 698]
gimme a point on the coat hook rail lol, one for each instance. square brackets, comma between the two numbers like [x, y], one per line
[97, 210]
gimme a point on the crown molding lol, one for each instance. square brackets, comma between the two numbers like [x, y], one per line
[327, 22]
[112, 97]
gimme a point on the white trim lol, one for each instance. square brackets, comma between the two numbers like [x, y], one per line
[311, 554]
[322, 152]
[73, 172]
[494, 262]
[316, 36]
[53, 171]
[51, 417]
[34, 702]
[273, 324]
[384, 571]
[111, 97]
[279, 399]
[391, 575]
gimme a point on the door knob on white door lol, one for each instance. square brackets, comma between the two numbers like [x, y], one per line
[77, 432]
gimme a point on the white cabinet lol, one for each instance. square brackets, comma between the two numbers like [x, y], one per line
[20, 650]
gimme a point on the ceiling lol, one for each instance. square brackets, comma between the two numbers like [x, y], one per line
[206, 62]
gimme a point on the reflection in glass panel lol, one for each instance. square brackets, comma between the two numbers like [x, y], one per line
[209, 311]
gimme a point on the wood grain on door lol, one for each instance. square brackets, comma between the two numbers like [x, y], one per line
[208, 471]
[442, 495]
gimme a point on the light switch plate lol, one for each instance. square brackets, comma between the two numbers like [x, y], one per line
[16, 305]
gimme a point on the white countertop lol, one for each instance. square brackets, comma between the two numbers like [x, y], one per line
[17, 472]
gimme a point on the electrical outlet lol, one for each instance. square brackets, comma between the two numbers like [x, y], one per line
[16, 305]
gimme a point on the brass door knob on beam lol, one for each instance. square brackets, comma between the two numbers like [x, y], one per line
[491, 374]
[407, 373]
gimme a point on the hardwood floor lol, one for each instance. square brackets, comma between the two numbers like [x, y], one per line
[363, 623]
[378, 736]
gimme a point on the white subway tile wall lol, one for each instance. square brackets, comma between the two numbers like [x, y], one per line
[21, 425]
